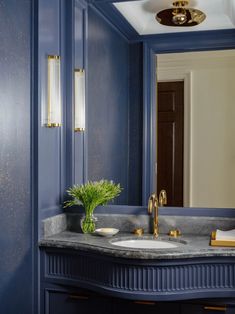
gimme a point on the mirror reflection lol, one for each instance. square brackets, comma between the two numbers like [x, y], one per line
[196, 129]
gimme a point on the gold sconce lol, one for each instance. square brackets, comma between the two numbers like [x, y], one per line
[53, 114]
[79, 100]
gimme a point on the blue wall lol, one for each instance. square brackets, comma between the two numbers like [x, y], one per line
[16, 278]
[114, 108]
[50, 141]
[135, 124]
[108, 103]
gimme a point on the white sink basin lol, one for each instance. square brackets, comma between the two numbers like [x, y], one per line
[145, 244]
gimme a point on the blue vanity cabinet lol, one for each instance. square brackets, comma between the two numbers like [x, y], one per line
[80, 281]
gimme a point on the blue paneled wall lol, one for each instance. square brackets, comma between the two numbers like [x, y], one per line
[50, 140]
[114, 109]
[16, 269]
[108, 103]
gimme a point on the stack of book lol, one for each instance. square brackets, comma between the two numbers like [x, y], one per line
[223, 238]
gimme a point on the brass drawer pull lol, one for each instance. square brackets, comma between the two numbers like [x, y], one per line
[215, 308]
[144, 302]
[78, 297]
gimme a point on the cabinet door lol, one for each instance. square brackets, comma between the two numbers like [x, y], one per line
[58, 302]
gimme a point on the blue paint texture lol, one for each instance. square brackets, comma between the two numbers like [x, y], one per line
[49, 139]
[135, 125]
[114, 109]
[108, 104]
[15, 201]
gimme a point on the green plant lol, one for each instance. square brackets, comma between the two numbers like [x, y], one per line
[90, 195]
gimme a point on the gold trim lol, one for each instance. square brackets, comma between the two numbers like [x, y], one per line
[215, 308]
[53, 125]
[175, 233]
[138, 231]
[54, 57]
[79, 129]
[79, 71]
[214, 242]
[145, 302]
[180, 3]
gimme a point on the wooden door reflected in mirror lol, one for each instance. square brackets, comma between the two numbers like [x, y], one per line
[170, 139]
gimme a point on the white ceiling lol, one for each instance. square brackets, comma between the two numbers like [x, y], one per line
[220, 14]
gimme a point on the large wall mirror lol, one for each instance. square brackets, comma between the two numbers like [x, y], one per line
[202, 64]
[196, 129]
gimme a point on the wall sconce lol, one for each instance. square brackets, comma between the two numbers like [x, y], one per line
[79, 100]
[53, 114]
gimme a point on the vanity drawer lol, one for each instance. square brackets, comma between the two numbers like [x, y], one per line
[74, 302]
[148, 307]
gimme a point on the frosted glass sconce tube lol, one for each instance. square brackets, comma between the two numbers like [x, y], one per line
[53, 114]
[79, 100]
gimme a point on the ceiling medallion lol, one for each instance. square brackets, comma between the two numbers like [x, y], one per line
[180, 15]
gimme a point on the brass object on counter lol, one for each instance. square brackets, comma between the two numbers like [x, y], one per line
[138, 231]
[153, 203]
[214, 242]
[175, 233]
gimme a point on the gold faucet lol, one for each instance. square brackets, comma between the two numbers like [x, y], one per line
[153, 204]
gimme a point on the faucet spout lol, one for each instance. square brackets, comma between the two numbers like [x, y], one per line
[153, 203]
[153, 208]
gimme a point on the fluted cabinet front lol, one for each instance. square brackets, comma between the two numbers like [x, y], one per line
[155, 280]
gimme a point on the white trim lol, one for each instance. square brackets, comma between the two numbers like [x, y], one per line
[173, 74]
[199, 60]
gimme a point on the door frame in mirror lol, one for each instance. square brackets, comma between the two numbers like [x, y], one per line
[168, 43]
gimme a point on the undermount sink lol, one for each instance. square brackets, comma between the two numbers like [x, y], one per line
[145, 244]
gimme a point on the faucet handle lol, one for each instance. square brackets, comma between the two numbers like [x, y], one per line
[162, 198]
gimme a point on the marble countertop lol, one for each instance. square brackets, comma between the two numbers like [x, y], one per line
[188, 246]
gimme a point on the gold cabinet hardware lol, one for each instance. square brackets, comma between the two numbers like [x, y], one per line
[215, 308]
[175, 233]
[138, 231]
[78, 297]
[144, 302]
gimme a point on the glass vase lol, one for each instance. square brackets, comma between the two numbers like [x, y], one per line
[88, 223]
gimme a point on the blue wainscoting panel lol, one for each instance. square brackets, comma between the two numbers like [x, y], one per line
[16, 273]
[80, 23]
[79, 34]
[135, 125]
[108, 103]
[49, 139]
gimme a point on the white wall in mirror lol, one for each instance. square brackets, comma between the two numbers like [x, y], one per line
[209, 126]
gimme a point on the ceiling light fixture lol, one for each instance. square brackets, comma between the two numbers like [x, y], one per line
[180, 15]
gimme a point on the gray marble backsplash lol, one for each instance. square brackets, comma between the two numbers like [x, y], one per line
[127, 223]
[53, 225]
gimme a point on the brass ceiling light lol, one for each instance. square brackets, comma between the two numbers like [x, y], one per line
[180, 15]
